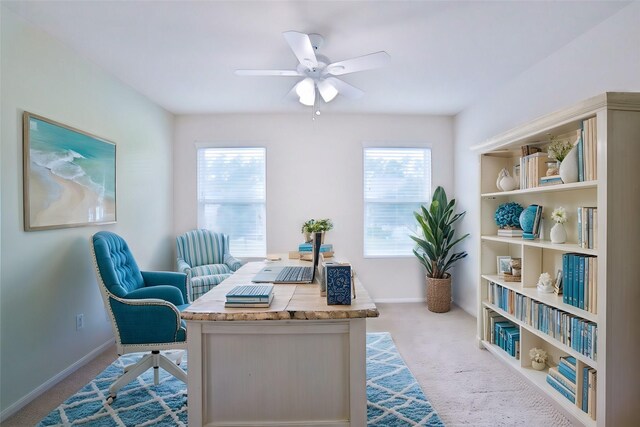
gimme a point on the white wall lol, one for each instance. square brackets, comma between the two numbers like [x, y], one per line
[47, 276]
[314, 170]
[604, 59]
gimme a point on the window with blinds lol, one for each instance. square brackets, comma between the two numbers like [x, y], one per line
[397, 181]
[232, 197]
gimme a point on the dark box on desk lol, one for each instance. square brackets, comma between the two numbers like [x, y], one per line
[338, 279]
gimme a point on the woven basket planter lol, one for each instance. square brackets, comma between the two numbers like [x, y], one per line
[439, 294]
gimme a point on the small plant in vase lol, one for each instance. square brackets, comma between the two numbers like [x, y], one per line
[563, 150]
[558, 233]
[558, 149]
[316, 226]
[538, 358]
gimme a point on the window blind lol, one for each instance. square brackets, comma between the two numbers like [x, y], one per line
[397, 181]
[232, 197]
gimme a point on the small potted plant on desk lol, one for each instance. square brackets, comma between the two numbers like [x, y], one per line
[436, 225]
[312, 226]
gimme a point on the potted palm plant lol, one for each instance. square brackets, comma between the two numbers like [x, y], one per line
[434, 248]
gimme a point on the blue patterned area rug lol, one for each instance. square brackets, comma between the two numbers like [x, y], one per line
[394, 397]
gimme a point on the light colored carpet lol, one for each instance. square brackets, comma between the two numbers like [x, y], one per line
[466, 385]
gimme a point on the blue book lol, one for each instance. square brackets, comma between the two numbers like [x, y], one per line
[581, 262]
[513, 336]
[307, 247]
[585, 388]
[567, 373]
[575, 269]
[590, 228]
[553, 371]
[250, 293]
[565, 278]
[562, 389]
[580, 158]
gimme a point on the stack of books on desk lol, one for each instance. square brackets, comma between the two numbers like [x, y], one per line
[248, 296]
[305, 250]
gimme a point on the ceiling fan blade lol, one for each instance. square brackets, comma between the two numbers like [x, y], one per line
[361, 63]
[301, 47]
[267, 73]
[344, 88]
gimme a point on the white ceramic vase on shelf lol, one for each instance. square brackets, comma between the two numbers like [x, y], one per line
[538, 366]
[558, 233]
[569, 167]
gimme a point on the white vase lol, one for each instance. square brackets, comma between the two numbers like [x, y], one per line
[538, 366]
[558, 233]
[569, 167]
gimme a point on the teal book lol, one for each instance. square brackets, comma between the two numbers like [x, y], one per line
[581, 269]
[575, 270]
[562, 389]
[553, 371]
[250, 294]
[585, 389]
[580, 146]
[307, 247]
[565, 278]
[567, 372]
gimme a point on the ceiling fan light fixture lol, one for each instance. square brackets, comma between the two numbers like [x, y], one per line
[306, 88]
[327, 90]
[308, 99]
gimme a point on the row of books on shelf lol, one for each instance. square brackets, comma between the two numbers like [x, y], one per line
[587, 149]
[588, 227]
[569, 329]
[502, 332]
[532, 168]
[563, 378]
[580, 281]
[250, 296]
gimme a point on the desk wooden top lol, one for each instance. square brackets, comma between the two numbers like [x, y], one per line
[290, 302]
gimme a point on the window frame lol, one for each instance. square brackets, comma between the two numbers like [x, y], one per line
[397, 146]
[201, 204]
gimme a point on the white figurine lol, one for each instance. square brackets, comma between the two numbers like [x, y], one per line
[545, 284]
[505, 181]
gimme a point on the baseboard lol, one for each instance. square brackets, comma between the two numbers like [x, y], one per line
[29, 397]
[398, 300]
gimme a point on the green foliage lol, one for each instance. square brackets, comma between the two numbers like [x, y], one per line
[437, 240]
[313, 226]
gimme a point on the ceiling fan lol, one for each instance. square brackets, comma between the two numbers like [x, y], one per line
[318, 72]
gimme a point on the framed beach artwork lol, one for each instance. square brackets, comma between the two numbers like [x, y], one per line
[69, 176]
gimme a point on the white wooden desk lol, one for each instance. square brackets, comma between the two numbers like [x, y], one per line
[299, 362]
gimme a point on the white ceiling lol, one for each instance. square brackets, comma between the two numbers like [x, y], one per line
[444, 55]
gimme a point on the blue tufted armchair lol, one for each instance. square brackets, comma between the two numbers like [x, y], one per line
[204, 257]
[144, 308]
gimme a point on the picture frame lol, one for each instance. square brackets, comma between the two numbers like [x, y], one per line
[69, 176]
[557, 285]
[503, 265]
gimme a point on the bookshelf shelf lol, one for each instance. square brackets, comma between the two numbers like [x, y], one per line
[554, 342]
[544, 244]
[538, 378]
[549, 299]
[608, 128]
[547, 189]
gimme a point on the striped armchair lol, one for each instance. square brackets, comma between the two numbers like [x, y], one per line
[204, 257]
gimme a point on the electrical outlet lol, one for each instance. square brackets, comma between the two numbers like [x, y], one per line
[79, 321]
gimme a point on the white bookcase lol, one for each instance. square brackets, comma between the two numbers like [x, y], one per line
[616, 194]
